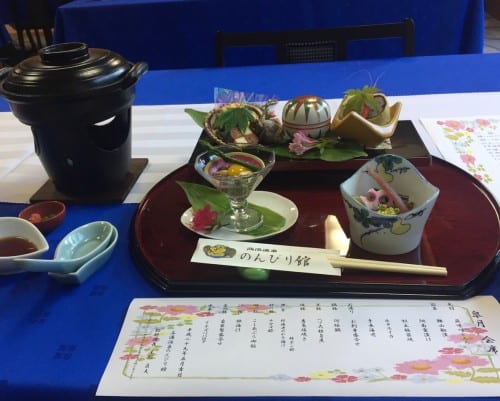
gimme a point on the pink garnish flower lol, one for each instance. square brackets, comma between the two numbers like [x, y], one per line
[204, 219]
[373, 198]
[301, 143]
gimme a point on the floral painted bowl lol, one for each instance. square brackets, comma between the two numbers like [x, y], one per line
[383, 233]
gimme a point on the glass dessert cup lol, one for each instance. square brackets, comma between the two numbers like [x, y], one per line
[236, 171]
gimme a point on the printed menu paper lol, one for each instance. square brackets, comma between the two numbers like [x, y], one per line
[306, 347]
[471, 143]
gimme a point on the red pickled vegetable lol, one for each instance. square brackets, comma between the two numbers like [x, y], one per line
[35, 218]
[389, 191]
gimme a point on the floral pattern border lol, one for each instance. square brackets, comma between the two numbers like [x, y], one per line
[462, 133]
[468, 358]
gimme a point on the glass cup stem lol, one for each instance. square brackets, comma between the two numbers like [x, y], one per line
[242, 218]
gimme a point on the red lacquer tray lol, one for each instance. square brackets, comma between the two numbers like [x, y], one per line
[462, 233]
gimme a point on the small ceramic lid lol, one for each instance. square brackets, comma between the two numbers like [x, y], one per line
[69, 70]
[310, 114]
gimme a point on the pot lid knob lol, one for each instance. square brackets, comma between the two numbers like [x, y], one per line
[64, 53]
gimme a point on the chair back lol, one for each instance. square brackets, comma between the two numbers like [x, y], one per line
[33, 22]
[315, 45]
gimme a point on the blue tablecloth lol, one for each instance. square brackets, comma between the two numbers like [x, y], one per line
[55, 340]
[401, 76]
[404, 76]
[180, 33]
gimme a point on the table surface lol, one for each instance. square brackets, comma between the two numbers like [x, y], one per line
[57, 339]
[444, 27]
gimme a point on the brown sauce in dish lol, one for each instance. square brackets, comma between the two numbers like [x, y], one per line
[13, 246]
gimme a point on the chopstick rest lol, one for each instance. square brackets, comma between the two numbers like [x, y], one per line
[335, 237]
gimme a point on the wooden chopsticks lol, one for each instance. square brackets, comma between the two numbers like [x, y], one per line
[337, 240]
[382, 266]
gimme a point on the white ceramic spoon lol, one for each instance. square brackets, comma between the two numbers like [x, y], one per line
[75, 249]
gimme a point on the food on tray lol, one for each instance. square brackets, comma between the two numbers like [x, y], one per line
[38, 218]
[243, 123]
[365, 116]
[384, 200]
[234, 164]
[378, 201]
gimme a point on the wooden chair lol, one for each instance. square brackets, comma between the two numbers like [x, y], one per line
[314, 45]
[33, 23]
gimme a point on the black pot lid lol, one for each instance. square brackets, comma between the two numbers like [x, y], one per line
[70, 70]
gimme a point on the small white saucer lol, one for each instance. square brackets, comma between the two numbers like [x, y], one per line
[277, 203]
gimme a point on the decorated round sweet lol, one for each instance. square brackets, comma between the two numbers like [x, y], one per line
[309, 114]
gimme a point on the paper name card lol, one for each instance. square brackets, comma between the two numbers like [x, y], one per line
[265, 256]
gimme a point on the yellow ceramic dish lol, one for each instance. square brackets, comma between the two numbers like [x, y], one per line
[354, 126]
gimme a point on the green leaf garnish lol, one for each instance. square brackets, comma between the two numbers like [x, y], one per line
[360, 97]
[197, 116]
[200, 195]
[234, 117]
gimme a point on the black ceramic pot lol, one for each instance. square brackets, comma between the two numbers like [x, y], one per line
[77, 102]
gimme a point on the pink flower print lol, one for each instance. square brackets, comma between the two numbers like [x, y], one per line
[475, 330]
[478, 177]
[252, 307]
[302, 379]
[178, 309]
[399, 377]
[344, 379]
[465, 337]
[468, 159]
[464, 361]
[142, 340]
[301, 143]
[451, 350]
[481, 122]
[129, 356]
[205, 314]
[427, 366]
[453, 124]
[147, 307]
